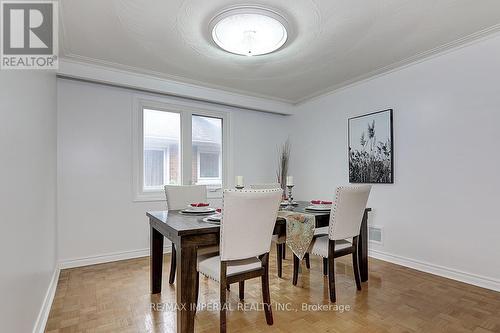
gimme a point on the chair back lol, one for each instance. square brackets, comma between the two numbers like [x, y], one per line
[265, 186]
[248, 219]
[180, 196]
[347, 211]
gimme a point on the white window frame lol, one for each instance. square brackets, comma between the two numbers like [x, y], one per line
[187, 110]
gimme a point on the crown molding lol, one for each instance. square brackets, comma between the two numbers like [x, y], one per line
[90, 69]
[110, 75]
[402, 64]
[181, 79]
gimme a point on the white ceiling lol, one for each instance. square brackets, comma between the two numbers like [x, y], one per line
[333, 43]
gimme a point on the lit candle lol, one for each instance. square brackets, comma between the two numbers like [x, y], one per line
[289, 181]
[239, 180]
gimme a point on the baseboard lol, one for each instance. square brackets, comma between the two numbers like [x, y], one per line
[476, 280]
[108, 257]
[43, 315]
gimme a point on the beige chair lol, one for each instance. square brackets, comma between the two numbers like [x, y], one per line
[179, 197]
[247, 225]
[279, 240]
[345, 223]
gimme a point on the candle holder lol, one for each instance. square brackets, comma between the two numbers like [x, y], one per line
[290, 197]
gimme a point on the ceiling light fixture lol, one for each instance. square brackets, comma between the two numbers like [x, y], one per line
[249, 30]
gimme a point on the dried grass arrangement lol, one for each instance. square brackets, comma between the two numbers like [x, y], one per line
[283, 163]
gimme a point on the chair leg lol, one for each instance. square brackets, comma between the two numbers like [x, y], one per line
[331, 271]
[325, 266]
[279, 259]
[283, 252]
[266, 295]
[308, 263]
[242, 290]
[222, 311]
[355, 263]
[173, 265]
[296, 263]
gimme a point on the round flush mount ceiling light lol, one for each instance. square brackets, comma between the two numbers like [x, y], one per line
[249, 30]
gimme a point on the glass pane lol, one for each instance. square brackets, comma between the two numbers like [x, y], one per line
[207, 150]
[209, 165]
[153, 167]
[161, 148]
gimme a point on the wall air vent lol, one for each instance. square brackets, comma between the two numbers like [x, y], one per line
[375, 234]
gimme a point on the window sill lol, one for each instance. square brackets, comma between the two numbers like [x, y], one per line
[160, 196]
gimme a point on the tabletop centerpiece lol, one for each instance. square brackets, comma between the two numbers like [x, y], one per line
[283, 163]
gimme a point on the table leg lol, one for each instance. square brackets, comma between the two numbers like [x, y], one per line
[156, 260]
[186, 288]
[363, 248]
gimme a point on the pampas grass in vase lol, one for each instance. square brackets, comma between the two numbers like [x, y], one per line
[283, 162]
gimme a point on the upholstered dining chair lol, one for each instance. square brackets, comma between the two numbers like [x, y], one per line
[179, 197]
[265, 186]
[248, 219]
[279, 240]
[345, 223]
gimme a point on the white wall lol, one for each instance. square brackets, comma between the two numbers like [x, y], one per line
[27, 195]
[96, 213]
[441, 214]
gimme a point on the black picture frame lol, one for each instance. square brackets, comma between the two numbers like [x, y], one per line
[375, 166]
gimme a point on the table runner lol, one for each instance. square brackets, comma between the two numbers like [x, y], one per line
[299, 231]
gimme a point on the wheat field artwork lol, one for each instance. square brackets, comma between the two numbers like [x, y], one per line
[371, 148]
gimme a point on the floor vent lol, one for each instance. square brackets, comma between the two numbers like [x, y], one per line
[375, 234]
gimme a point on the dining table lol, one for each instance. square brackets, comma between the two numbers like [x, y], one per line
[189, 232]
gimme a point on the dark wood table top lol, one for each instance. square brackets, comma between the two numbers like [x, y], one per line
[183, 224]
[175, 223]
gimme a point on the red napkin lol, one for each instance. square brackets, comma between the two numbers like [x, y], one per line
[219, 210]
[321, 202]
[200, 204]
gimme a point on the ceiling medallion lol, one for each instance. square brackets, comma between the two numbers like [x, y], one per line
[249, 30]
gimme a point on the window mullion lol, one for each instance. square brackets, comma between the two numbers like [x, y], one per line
[186, 148]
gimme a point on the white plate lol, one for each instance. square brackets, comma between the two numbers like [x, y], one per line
[319, 208]
[217, 216]
[285, 203]
[209, 220]
[198, 210]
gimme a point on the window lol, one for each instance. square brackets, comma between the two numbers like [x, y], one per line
[174, 144]
[161, 144]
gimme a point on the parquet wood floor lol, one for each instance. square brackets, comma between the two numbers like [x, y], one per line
[114, 297]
